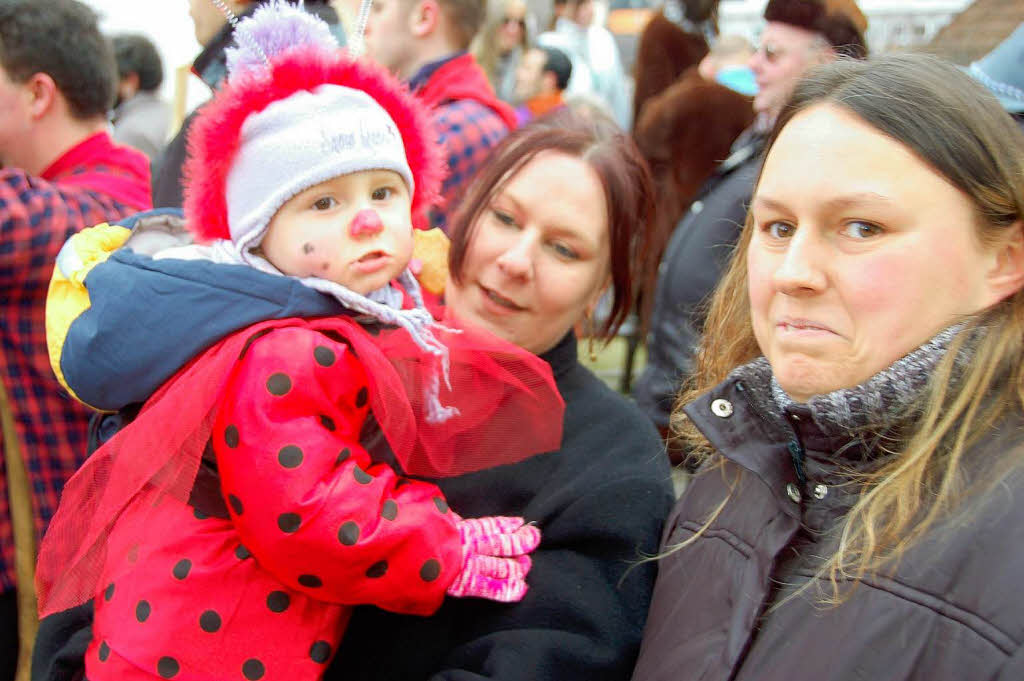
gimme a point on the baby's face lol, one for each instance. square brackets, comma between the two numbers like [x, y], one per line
[354, 230]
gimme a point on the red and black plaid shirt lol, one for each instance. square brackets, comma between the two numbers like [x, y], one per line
[93, 182]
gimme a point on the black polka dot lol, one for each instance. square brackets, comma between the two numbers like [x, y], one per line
[345, 453]
[231, 438]
[378, 569]
[199, 514]
[142, 610]
[320, 652]
[362, 396]
[104, 652]
[167, 667]
[361, 476]
[253, 669]
[209, 621]
[133, 553]
[108, 593]
[323, 356]
[181, 568]
[289, 522]
[349, 533]
[311, 581]
[241, 553]
[236, 504]
[430, 571]
[279, 384]
[441, 504]
[278, 601]
[327, 422]
[390, 510]
[290, 456]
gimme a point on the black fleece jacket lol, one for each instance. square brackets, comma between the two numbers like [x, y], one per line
[600, 502]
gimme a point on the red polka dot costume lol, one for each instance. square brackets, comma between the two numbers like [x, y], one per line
[314, 526]
[227, 532]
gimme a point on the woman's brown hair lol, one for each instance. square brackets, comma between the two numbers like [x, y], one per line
[628, 192]
[958, 128]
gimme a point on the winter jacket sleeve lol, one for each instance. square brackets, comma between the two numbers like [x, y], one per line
[303, 493]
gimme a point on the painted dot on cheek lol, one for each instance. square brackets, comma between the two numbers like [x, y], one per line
[326, 266]
[308, 248]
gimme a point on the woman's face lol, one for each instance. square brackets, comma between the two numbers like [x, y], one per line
[512, 30]
[539, 257]
[860, 253]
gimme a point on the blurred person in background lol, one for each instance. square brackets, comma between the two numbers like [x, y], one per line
[798, 35]
[676, 38]
[500, 45]
[685, 131]
[214, 33]
[426, 43]
[141, 119]
[597, 65]
[859, 401]
[61, 173]
[541, 78]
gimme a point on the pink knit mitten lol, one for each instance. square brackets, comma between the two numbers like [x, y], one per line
[494, 560]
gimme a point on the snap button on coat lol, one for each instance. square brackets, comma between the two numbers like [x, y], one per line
[721, 408]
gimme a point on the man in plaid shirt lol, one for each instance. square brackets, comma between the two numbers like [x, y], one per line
[425, 43]
[61, 173]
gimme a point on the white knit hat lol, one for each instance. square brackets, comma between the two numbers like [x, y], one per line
[300, 141]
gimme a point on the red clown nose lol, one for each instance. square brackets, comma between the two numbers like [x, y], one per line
[366, 221]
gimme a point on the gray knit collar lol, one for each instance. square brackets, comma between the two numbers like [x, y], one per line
[880, 402]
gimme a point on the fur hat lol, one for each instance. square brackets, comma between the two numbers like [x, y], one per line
[274, 128]
[840, 22]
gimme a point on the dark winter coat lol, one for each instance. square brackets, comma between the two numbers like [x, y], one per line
[599, 501]
[952, 609]
[694, 261]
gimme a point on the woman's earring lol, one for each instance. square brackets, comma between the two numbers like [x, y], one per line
[588, 328]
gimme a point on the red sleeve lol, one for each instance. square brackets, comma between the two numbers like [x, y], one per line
[303, 493]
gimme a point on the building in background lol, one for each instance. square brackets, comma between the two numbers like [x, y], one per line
[892, 24]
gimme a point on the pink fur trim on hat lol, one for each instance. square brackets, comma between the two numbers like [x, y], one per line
[215, 133]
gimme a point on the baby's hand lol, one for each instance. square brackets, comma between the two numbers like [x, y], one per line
[494, 558]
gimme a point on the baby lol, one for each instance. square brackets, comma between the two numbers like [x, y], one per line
[229, 529]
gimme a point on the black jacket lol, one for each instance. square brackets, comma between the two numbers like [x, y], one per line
[599, 502]
[951, 610]
[694, 261]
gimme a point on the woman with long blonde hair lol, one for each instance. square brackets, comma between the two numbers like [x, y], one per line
[859, 402]
[501, 43]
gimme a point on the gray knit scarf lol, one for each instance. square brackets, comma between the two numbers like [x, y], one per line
[882, 400]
